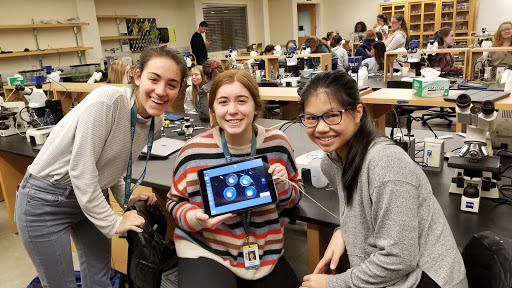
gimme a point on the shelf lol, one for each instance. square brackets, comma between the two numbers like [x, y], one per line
[415, 33]
[29, 26]
[429, 22]
[46, 51]
[461, 31]
[412, 14]
[462, 10]
[447, 21]
[115, 16]
[428, 13]
[446, 11]
[107, 38]
[416, 23]
[402, 10]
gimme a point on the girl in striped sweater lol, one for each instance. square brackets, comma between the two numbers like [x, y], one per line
[214, 246]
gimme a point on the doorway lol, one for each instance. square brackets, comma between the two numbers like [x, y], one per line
[306, 15]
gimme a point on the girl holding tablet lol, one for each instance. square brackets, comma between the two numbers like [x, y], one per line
[390, 222]
[217, 246]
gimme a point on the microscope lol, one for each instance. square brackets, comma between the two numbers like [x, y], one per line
[475, 167]
[304, 49]
[12, 115]
[432, 44]
[231, 57]
[413, 57]
[188, 59]
[292, 66]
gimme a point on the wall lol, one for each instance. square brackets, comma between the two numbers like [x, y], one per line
[281, 21]
[491, 13]
[341, 15]
[19, 39]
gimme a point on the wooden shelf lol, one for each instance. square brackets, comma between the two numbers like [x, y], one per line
[122, 37]
[412, 14]
[429, 22]
[447, 21]
[29, 26]
[462, 10]
[46, 51]
[428, 13]
[115, 16]
[447, 11]
[402, 10]
[419, 23]
[461, 31]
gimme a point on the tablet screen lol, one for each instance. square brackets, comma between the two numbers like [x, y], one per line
[237, 186]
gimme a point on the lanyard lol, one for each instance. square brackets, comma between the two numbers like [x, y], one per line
[246, 215]
[133, 122]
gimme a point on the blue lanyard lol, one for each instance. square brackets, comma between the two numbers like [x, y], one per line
[246, 215]
[133, 122]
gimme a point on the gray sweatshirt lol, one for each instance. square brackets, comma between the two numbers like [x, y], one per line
[394, 228]
[89, 149]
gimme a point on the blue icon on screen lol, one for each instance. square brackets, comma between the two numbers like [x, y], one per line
[263, 180]
[250, 192]
[229, 193]
[231, 179]
[245, 180]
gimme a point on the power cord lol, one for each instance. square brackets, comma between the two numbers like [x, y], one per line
[302, 190]
[65, 93]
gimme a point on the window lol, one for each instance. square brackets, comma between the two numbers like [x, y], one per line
[227, 26]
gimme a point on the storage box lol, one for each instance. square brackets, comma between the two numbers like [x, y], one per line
[430, 87]
[82, 73]
[13, 81]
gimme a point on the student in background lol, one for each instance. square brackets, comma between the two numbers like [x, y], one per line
[65, 190]
[330, 35]
[379, 36]
[365, 45]
[502, 38]
[213, 247]
[210, 70]
[398, 36]
[119, 73]
[319, 46]
[376, 60]
[291, 43]
[445, 61]
[357, 35]
[269, 50]
[342, 54]
[198, 44]
[197, 79]
[382, 24]
[393, 229]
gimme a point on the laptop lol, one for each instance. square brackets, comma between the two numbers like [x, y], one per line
[164, 147]
[480, 96]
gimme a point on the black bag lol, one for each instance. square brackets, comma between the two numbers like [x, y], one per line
[149, 254]
[488, 261]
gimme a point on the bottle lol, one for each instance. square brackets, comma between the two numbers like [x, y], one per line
[317, 177]
[507, 78]
[362, 76]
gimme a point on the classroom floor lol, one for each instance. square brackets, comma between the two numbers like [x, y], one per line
[16, 270]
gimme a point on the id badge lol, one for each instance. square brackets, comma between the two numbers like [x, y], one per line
[251, 256]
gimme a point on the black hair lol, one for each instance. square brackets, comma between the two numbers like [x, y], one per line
[363, 26]
[380, 50]
[336, 40]
[379, 36]
[203, 24]
[291, 41]
[384, 18]
[342, 88]
[268, 48]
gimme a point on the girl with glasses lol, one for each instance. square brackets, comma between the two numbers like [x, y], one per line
[392, 227]
[502, 38]
[398, 36]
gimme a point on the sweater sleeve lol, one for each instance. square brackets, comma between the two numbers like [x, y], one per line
[395, 216]
[90, 137]
[179, 205]
[397, 41]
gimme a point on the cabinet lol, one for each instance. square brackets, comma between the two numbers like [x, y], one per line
[119, 19]
[425, 17]
[391, 8]
[35, 28]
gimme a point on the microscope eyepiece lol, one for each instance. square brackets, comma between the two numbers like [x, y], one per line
[463, 101]
[488, 107]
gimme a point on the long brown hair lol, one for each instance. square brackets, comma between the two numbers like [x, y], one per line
[195, 88]
[498, 40]
[403, 26]
[441, 34]
[232, 76]
[317, 42]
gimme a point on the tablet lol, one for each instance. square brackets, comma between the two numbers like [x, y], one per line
[236, 186]
[173, 117]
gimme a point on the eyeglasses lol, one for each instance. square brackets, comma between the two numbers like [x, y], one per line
[329, 117]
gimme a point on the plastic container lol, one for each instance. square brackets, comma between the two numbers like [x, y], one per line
[82, 73]
[27, 74]
[115, 280]
[317, 177]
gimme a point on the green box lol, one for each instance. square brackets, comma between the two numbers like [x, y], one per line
[13, 81]
[430, 87]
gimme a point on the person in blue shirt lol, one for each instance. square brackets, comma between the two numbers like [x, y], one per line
[198, 44]
[366, 45]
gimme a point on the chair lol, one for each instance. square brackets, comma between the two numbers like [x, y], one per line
[405, 110]
[442, 113]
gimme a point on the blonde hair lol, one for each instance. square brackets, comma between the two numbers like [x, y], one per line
[195, 89]
[498, 40]
[116, 72]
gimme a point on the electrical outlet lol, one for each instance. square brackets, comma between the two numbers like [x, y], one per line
[433, 153]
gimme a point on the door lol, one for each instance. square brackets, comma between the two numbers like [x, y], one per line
[307, 21]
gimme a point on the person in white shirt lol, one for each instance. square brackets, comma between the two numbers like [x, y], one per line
[197, 77]
[398, 36]
[358, 33]
[337, 48]
[382, 24]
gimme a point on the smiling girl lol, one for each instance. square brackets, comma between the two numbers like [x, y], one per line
[394, 231]
[64, 193]
[214, 246]
[198, 78]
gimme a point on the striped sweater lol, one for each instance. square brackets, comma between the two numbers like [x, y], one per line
[224, 244]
